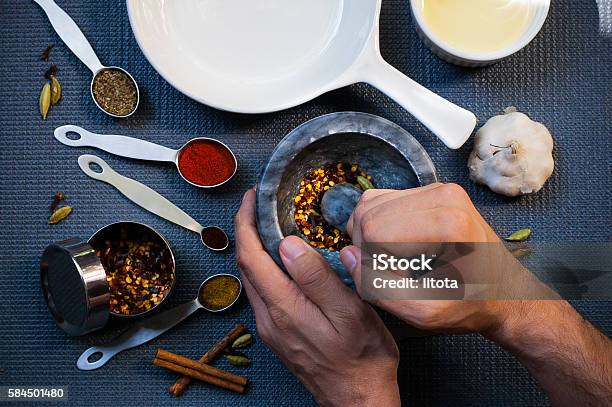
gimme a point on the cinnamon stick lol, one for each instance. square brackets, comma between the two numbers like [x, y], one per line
[194, 374]
[195, 365]
[181, 384]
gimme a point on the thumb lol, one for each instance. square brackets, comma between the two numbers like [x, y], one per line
[350, 257]
[314, 277]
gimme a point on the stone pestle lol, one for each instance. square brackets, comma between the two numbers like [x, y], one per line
[338, 203]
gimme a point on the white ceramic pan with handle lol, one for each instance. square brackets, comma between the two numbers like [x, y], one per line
[258, 56]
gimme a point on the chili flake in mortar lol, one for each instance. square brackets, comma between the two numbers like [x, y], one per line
[307, 202]
[138, 271]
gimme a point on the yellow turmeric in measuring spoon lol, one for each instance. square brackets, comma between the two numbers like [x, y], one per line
[483, 26]
[219, 292]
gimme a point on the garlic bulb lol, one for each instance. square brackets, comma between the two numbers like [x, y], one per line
[512, 154]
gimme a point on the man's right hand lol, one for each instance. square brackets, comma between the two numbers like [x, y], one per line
[571, 359]
[432, 214]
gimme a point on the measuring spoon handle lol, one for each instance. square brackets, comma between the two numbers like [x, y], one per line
[138, 193]
[119, 145]
[71, 34]
[141, 332]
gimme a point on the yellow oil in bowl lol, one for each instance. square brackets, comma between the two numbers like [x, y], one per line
[480, 26]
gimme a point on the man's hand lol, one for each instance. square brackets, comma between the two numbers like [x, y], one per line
[571, 360]
[431, 214]
[327, 336]
[569, 357]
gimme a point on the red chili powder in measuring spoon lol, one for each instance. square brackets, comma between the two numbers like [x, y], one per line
[206, 162]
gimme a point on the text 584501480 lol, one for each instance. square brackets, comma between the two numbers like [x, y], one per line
[32, 393]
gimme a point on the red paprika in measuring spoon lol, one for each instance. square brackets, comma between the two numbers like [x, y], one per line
[202, 161]
[206, 162]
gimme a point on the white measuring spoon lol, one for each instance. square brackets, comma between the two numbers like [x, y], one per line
[148, 329]
[135, 148]
[212, 237]
[74, 38]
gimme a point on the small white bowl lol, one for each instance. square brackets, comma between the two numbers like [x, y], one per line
[539, 12]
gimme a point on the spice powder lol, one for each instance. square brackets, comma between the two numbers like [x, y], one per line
[219, 292]
[214, 238]
[206, 162]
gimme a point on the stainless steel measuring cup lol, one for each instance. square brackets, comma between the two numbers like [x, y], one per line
[148, 329]
[134, 148]
[152, 201]
[74, 38]
[74, 281]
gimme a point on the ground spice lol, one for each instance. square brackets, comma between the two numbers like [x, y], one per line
[115, 92]
[206, 162]
[215, 238]
[138, 271]
[219, 292]
[307, 202]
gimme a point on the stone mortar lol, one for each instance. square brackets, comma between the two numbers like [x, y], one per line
[387, 152]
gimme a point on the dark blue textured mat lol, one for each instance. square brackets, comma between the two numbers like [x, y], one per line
[562, 79]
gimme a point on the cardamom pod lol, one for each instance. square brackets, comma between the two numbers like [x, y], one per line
[56, 90]
[238, 360]
[520, 235]
[243, 341]
[364, 183]
[44, 102]
[60, 214]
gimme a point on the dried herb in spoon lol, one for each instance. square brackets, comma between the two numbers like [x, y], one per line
[115, 92]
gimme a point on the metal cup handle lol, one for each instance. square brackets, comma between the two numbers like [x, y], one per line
[142, 332]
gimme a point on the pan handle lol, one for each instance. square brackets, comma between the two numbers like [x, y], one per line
[451, 123]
